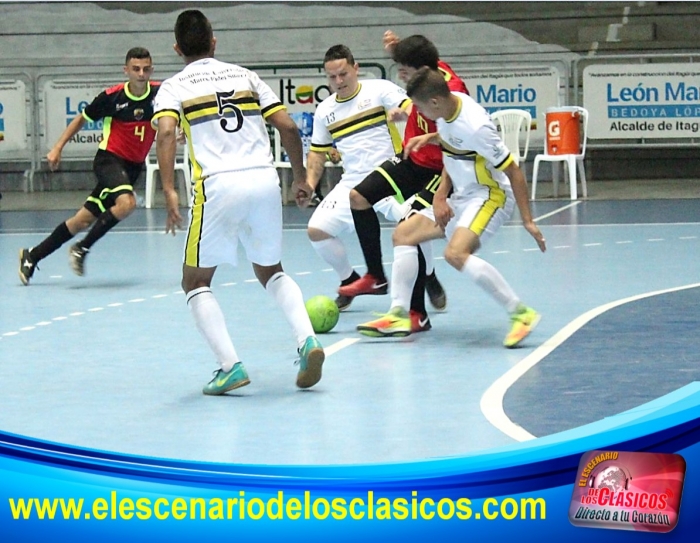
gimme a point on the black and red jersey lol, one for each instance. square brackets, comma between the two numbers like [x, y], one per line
[430, 156]
[126, 125]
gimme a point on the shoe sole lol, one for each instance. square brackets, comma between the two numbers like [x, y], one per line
[376, 292]
[77, 270]
[343, 308]
[25, 280]
[314, 365]
[373, 332]
[237, 384]
[533, 325]
[439, 304]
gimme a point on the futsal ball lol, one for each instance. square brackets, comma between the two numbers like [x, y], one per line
[323, 313]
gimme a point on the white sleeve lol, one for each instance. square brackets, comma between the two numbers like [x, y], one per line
[392, 95]
[321, 138]
[166, 98]
[489, 144]
[268, 99]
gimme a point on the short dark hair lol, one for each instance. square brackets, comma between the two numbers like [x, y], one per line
[339, 52]
[416, 51]
[137, 52]
[426, 84]
[193, 33]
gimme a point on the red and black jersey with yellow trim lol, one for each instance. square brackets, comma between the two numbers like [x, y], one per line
[430, 156]
[126, 127]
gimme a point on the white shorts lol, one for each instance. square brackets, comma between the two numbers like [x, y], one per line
[232, 206]
[333, 215]
[477, 212]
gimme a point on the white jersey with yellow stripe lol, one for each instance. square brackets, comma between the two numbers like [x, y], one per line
[474, 154]
[358, 126]
[221, 108]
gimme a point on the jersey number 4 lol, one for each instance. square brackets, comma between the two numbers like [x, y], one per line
[224, 101]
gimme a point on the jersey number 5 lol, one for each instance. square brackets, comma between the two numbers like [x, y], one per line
[224, 100]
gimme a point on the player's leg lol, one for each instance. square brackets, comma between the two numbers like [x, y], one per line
[331, 218]
[114, 196]
[211, 240]
[428, 283]
[408, 235]
[64, 232]
[475, 222]
[210, 321]
[394, 181]
[262, 240]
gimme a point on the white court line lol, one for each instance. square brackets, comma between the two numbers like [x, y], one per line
[337, 346]
[546, 215]
[492, 401]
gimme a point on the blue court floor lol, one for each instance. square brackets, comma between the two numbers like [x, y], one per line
[113, 361]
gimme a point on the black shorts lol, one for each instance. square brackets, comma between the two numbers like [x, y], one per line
[115, 176]
[401, 178]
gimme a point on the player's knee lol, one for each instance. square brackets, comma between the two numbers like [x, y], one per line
[455, 258]
[402, 235]
[357, 201]
[124, 206]
[317, 235]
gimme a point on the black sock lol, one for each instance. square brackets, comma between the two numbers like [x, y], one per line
[354, 276]
[104, 224]
[369, 234]
[58, 237]
[418, 296]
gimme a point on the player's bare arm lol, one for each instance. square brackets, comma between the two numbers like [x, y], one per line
[418, 142]
[442, 211]
[166, 146]
[291, 141]
[397, 114]
[517, 182]
[315, 164]
[54, 155]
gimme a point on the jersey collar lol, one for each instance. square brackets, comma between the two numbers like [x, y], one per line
[132, 97]
[457, 111]
[359, 86]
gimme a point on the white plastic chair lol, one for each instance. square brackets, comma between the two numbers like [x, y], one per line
[514, 122]
[573, 163]
[181, 163]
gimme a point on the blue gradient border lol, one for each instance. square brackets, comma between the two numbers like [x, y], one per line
[544, 468]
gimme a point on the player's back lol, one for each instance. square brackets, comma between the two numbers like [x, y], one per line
[222, 112]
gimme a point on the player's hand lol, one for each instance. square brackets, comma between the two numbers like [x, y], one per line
[389, 41]
[532, 229]
[54, 159]
[334, 155]
[303, 192]
[416, 143]
[181, 137]
[174, 220]
[442, 211]
[397, 115]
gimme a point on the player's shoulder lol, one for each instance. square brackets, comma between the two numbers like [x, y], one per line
[115, 89]
[380, 83]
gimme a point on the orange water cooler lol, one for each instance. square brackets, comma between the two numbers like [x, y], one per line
[563, 125]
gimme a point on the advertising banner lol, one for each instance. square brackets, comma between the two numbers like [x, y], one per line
[63, 101]
[633, 101]
[533, 90]
[13, 117]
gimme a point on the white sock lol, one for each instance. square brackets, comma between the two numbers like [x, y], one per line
[333, 252]
[403, 275]
[211, 324]
[288, 296]
[427, 248]
[489, 278]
